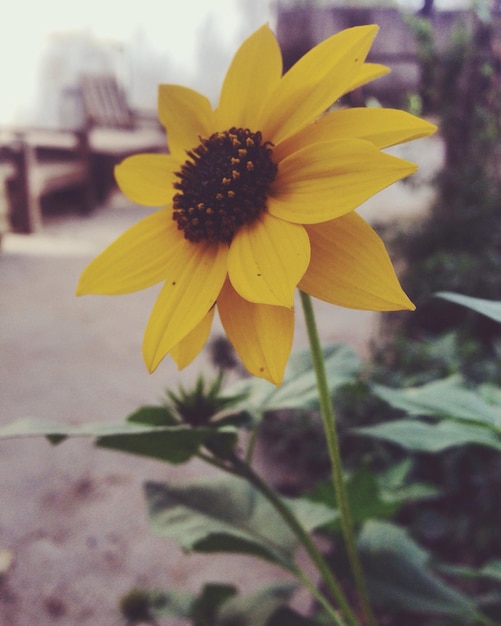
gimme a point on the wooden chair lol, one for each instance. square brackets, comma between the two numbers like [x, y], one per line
[114, 131]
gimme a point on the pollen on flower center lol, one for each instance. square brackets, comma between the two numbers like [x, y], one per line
[223, 185]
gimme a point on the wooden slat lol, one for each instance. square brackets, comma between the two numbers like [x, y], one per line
[50, 177]
[105, 103]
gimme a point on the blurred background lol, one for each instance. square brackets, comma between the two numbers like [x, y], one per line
[45, 49]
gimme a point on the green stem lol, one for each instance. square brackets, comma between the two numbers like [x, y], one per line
[318, 595]
[483, 619]
[251, 445]
[243, 470]
[329, 422]
[302, 535]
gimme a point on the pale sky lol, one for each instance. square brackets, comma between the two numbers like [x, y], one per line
[170, 28]
[182, 41]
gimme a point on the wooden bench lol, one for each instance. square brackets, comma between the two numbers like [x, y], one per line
[114, 131]
[45, 162]
[51, 161]
[7, 174]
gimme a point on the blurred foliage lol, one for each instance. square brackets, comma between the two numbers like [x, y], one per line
[458, 247]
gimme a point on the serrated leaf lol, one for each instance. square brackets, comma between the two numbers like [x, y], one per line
[299, 388]
[364, 498]
[444, 399]
[153, 416]
[227, 515]
[432, 438]
[398, 574]
[489, 308]
[174, 444]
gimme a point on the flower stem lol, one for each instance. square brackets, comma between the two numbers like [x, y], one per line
[318, 595]
[242, 469]
[329, 423]
[245, 471]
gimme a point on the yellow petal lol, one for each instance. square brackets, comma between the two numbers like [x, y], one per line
[147, 178]
[185, 114]
[261, 334]
[136, 260]
[382, 127]
[315, 82]
[368, 72]
[267, 260]
[326, 180]
[188, 348]
[350, 267]
[194, 277]
[254, 72]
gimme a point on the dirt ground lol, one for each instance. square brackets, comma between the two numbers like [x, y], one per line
[73, 530]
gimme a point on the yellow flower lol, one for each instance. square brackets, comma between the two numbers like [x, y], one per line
[258, 198]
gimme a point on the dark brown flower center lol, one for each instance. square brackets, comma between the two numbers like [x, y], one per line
[223, 185]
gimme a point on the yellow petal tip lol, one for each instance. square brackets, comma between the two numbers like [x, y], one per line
[81, 289]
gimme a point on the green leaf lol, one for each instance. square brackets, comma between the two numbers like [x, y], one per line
[219, 605]
[174, 444]
[444, 399]
[206, 607]
[227, 515]
[219, 441]
[153, 416]
[489, 308]
[240, 419]
[143, 605]
[398, 574]
[286, 616]
[299, 388]
[31, 427]
[491, 570]
[364, 498]
[394, 485]
[256, 609]
[420, 437]
[490, 393]
[371, 496]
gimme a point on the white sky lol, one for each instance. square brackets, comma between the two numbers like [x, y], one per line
[171, 27]
[168, 31]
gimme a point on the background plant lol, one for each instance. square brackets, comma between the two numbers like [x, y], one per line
[402, 462]
[458, 246]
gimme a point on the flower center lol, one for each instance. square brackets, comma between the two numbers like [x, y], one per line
[223, 185]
